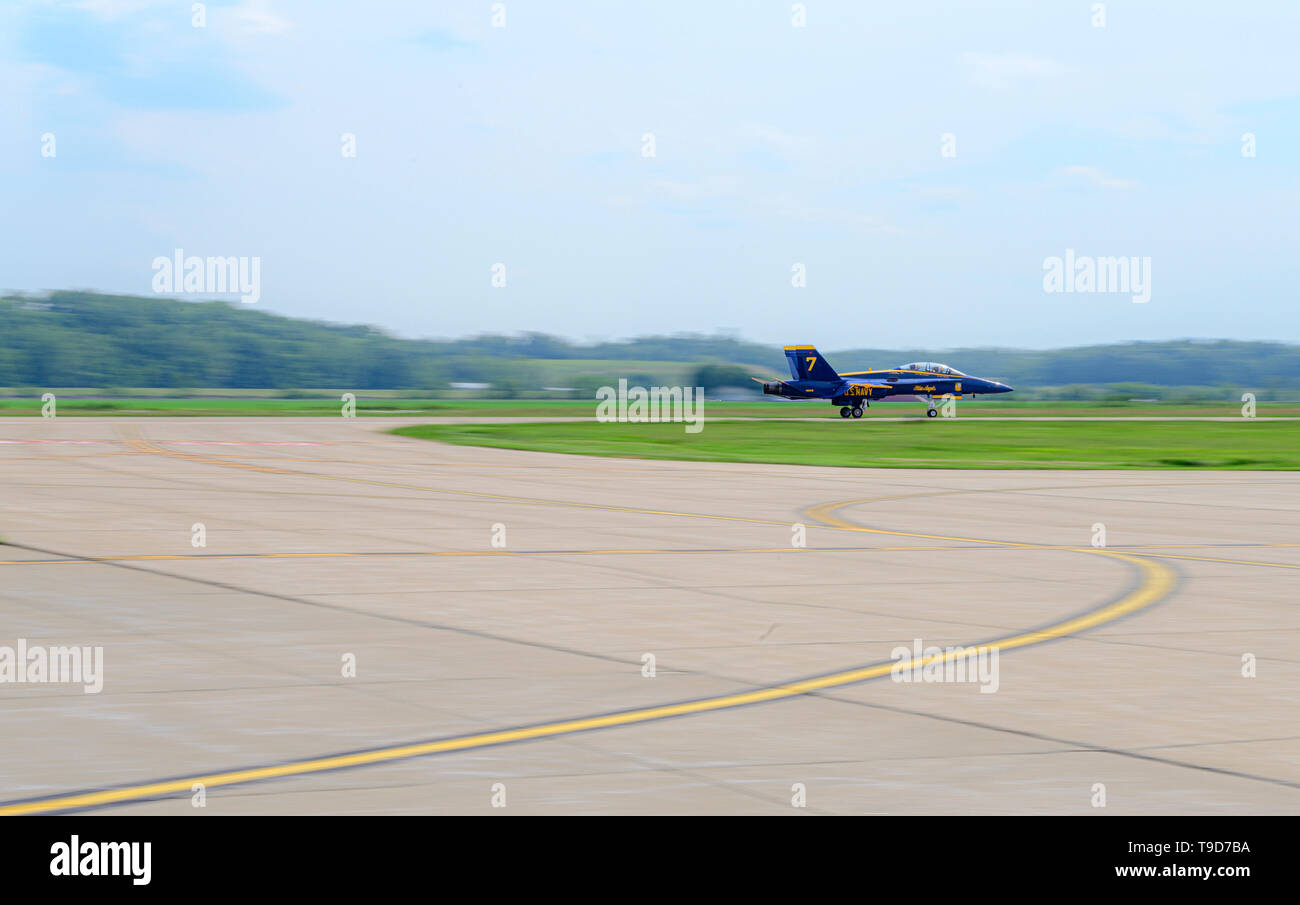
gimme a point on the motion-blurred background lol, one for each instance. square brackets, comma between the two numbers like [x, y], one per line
[119, 347]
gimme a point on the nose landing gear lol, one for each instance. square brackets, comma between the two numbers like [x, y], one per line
[852, 411]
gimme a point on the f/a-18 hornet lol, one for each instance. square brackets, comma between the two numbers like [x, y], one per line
[853, 391]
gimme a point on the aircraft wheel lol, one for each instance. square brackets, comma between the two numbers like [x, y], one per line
[857, 412]
[845, 411]
[932, 413]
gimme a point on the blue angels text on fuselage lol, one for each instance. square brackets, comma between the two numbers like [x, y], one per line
[919, 381]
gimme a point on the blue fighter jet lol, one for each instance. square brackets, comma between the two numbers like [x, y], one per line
[853, 391]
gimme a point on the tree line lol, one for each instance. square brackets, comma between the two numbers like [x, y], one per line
[86, 339]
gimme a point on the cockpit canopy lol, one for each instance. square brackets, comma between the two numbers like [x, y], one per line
[932, 366]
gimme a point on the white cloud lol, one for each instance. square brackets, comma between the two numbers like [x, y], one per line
[1097, 177]
[1000, 69]
[256, 16]
[784, 143]
[117, 9]
[946, 193]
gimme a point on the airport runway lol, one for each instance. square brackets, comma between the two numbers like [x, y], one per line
[485, 671]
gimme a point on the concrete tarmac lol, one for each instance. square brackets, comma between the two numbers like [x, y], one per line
[503, 610]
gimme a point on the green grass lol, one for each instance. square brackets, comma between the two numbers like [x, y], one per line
[936, 443]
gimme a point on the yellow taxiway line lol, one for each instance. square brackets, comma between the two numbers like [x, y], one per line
[1157, 580]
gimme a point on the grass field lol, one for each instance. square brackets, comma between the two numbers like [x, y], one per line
[937, 443]
[389, 403]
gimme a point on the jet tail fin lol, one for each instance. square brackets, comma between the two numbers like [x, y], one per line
[806, 363]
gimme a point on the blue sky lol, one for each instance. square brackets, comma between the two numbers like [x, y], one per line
[775, 145]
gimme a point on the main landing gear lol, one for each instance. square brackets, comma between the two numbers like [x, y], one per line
[931, 413]
[851, 411]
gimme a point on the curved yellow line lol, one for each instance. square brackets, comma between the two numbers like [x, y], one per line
[1157, 581]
